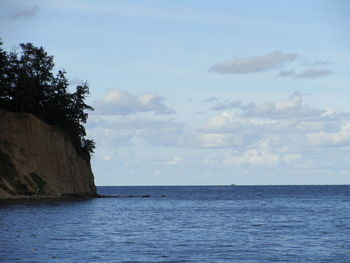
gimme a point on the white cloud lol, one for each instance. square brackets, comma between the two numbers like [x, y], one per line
[229, 122]
[171, 136]
[306, 74]
[287, 122]
[286, 135]
[291, 108]
[122, 130]
[276, 133]
[260, 157]
[122, 122]
[106, 136]
[218, 139]
[106, 158]
[225, 106]
[340, 138]
[121, 102]
[256, 64]
[266, 151]
[174, 161]
[211, 99]
[254, 157]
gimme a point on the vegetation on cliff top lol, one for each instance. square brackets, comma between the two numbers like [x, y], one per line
[28, 84]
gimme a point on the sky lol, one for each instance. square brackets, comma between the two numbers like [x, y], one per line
[203, 92]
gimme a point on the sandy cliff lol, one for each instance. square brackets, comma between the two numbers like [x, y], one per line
[37, 159]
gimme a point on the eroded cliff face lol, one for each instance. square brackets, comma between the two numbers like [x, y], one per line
[38, 160]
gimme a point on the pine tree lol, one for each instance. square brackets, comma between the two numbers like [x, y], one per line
[27, 84]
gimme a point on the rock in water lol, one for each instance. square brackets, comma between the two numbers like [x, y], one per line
[40, 160]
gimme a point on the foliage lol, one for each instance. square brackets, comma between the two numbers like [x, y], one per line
[28, 84]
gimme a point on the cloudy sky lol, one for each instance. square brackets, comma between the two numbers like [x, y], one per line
[203, 92]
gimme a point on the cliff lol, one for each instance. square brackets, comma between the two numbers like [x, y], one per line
[39, 160]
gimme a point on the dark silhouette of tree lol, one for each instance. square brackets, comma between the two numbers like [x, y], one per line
[28, 84]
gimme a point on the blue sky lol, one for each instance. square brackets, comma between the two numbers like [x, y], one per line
[203, 92]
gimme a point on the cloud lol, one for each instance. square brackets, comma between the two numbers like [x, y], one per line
[119, 102]
[213, 140]
[260, 157]
[286, 135]
[129, 122]
[270, 61]
[105, 136]
[122, 130]
[289, 120]
[286, 73]
[285, 122]
[24, 13]
[256, 64]
[232, 122]
[290, 108]
[256, 127]
[226, 106]
[278, 131]
[317, 63]
[306, 74]
[222, 106]
[313, 73]
[106, 157]
[174, 161]
[211, 99]
[171, 136]
[339, 138]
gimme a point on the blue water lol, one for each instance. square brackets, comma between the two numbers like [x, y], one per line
[182, 224]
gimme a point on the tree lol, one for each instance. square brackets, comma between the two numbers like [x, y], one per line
[5, 78]
[28, 84]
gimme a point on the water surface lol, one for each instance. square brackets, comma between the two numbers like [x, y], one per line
[182, 224]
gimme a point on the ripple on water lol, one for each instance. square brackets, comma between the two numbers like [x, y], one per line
[190, 224]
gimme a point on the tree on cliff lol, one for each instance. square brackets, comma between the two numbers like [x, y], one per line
[28, 84]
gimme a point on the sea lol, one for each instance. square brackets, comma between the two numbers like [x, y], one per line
[243, 224]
